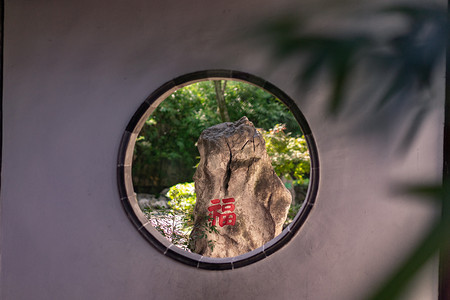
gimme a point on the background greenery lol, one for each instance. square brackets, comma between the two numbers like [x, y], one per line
[166, 153]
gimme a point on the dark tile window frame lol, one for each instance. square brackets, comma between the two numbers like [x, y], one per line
[143, 225]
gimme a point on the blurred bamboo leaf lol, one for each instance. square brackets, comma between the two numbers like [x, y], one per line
[431, 191]
[415, 124]
[412, 55]
[436, 240]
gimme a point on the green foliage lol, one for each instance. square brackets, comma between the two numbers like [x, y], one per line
[293, 210]
[289, 155]
[165, 151]
[182, 197]
[182, 201]
[176, 223]
[201, 230]
[259, 106]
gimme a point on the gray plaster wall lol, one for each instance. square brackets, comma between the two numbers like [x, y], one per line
[74, 74]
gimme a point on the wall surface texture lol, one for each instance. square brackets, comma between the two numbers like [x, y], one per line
[74, 74]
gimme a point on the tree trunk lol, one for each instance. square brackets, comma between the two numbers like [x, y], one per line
[220, 96]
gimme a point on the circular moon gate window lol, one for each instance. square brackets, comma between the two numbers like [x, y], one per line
[218, 169]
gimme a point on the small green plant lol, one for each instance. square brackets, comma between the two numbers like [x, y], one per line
[176, 223]
[289, 154]
[201, 230]
[182, 197]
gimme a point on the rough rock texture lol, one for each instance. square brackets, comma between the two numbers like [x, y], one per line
[238, 189]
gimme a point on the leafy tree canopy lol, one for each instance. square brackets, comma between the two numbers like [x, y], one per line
[165, 152]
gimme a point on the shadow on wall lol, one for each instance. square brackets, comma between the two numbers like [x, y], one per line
[403, 59]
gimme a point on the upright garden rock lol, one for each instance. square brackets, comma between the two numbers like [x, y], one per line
[237, 190]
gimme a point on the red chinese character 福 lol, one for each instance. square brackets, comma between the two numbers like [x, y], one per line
[225, 218]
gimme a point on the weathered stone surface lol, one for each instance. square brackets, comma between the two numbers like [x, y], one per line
[235, 176]
[150, 201]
